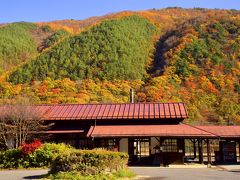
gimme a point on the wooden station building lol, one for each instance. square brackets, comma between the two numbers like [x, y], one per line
[151, 133]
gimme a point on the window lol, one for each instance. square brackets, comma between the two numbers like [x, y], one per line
[85, 144]
[109, 144]
[170, 145]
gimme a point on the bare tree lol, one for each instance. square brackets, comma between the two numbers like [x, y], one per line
[19, 122]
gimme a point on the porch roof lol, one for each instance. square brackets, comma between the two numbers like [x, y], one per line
[180, 130]
[223, 131]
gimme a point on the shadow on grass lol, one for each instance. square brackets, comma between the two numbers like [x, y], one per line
[152, 178]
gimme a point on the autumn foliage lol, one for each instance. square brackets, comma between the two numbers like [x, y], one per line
[28, 148]
[172, 54]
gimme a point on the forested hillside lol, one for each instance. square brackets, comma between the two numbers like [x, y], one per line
[114, 49]
[165, 55]
[16, 44]
[19, 42]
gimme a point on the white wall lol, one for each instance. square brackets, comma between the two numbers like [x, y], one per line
[123, 145]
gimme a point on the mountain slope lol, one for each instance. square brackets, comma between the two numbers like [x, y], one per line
[19, 43]
[196, 59]
[199, 63]
[16, 44]
[115, 49]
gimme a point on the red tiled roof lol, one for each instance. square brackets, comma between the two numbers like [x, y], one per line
[56, 132]
[116, 111]
[108, 111]
[180, 130]
[38, 110]
[222, 131]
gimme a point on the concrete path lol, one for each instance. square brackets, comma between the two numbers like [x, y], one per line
[228, 172]
[22, 174]
[157, 173]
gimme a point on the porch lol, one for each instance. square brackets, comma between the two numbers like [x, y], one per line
[163, 151]
[161, 145]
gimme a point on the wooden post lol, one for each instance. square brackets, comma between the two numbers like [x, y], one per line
[160, 152]
[208, 153]
[239, 150]
[194, 148]
[118, 144]
[200, 152]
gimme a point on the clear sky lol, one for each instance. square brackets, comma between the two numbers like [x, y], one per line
[47, 10]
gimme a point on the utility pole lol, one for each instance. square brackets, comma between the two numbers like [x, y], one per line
[131, 96]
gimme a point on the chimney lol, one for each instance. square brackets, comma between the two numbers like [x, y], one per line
[131, 96]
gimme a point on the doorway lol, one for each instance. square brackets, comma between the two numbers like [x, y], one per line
[139, 150]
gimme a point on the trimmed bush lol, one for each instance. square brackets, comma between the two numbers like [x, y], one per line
[41, 157]
[89, 162]
[48, 152]
[11, 158]
[64, 158]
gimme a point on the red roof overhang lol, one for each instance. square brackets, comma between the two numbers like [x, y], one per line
[223, 131]
[180, 130]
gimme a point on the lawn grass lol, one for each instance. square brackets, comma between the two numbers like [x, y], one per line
[121, 174]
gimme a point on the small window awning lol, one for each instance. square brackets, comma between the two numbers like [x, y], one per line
[64, 131]
[180, 130]
[59, 132]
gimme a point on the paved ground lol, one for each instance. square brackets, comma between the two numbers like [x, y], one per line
[156, 173]
[21, 174]
[148, 173]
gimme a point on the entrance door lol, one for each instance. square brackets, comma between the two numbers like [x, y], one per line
[228, 151]
[139, 150]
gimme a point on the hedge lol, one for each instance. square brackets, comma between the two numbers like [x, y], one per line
[64, 158]
[89, 162]
[41, 157]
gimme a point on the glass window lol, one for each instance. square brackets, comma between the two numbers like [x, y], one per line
[109, 144]
[169, 145]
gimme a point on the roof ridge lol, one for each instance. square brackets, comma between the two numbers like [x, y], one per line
[67, 104]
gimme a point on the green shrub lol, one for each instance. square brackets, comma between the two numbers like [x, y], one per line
[89, 162]
[48, 152]
[11, 158]
[42, 157]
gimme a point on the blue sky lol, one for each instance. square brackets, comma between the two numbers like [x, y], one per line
[47, 10]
